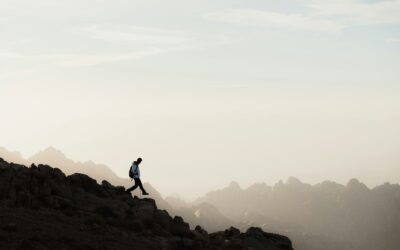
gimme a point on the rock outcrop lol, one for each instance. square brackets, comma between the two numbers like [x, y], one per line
[42, 208]
[99, 172]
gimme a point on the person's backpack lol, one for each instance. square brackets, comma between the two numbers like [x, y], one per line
[130, 172]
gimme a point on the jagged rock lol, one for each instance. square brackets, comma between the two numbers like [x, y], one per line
[163, 219]
[106, 185]
[179, 227]
[199, 230]
[74, 212]
[255, 232]
[231, 232]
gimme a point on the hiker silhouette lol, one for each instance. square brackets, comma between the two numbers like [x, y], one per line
[134, 172]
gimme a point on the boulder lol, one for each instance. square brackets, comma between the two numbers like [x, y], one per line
[179, 227]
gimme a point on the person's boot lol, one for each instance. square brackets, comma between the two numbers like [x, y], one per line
[145, 193]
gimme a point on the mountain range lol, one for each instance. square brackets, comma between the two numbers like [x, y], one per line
[326, 216]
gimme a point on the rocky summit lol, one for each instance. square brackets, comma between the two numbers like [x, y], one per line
[42, 208]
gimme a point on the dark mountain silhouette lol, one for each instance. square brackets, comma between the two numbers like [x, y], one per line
[322, 216]
[42, 208]
[54, 157]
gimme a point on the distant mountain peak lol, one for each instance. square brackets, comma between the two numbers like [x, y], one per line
[53, 152]
[234, 185]
[12, 156]
[90, 162]
[293, 180]
[355, 184]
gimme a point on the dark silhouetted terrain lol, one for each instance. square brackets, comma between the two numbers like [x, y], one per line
[54, 157]
[41, 208]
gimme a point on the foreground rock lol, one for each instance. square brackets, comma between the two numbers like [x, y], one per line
[41, 208]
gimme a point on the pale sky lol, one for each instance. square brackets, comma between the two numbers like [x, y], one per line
[206, 92]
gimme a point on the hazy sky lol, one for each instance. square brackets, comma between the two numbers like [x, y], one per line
[206, 91]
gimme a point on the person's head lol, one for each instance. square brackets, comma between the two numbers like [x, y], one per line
[139, 160]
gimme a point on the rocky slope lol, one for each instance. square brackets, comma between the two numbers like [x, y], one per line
[56, 158]
[42, 208]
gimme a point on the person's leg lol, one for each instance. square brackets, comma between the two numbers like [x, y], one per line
[133, 187]
[141, 186]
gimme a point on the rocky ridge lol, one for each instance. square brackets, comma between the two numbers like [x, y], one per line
[42, 208]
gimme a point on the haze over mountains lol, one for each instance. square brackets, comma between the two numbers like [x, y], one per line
[323, 216]
[327, 215]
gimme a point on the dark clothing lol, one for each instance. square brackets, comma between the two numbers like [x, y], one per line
[138, 183]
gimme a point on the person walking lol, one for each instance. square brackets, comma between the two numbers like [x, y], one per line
[134, 172]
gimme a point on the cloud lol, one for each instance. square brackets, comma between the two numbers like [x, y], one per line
[356, 13]
[138, 34]
[321, 16]
[79, 60]
[139, 42]
[133, 43]
[143, 38]
[274, 19]
[47, 62]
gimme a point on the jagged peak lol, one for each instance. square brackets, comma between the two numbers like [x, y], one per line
[356, 184]
[51, 151]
